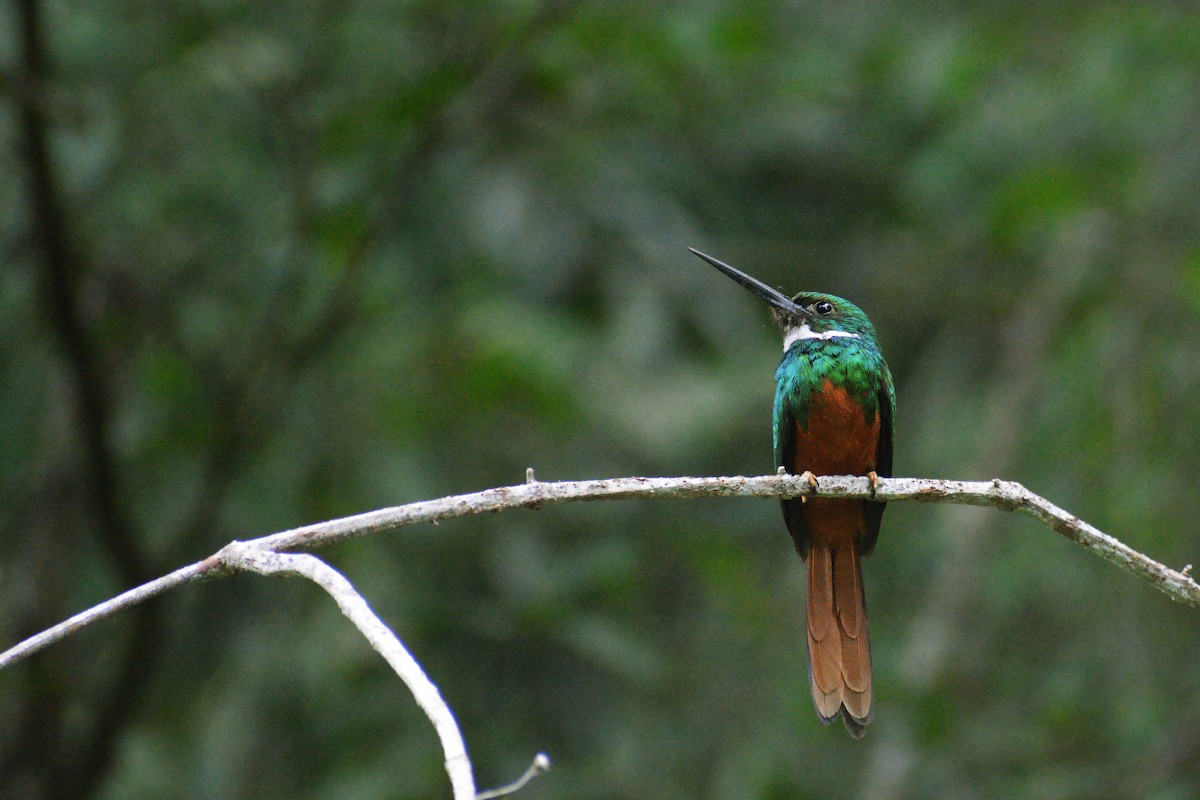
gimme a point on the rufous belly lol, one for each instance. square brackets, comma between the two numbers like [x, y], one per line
[839, 440]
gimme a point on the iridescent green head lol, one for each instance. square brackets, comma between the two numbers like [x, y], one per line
[807, 315]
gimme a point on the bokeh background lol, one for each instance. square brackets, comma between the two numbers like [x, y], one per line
[272, 263]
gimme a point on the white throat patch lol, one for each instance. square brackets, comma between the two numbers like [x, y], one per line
[805, 332]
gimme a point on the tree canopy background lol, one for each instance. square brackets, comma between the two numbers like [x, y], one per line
[271, 263]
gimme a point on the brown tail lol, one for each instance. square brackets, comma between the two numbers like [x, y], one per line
[839, 646]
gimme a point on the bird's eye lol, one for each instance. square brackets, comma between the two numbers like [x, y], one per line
[824, 308]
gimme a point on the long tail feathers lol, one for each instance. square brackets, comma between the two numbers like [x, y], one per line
[839, 646]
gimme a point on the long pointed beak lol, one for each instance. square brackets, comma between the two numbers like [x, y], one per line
[772, 296]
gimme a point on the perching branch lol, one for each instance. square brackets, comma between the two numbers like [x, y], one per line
[270, 555]
[533, 494]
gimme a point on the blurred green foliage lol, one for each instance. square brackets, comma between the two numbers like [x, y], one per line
[335, 256]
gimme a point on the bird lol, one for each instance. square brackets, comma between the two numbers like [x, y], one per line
[833, 411]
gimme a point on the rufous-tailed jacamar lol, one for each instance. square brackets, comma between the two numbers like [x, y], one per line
[834, 403]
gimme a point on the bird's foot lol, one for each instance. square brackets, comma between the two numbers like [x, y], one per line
[812, 484]
[873, 477]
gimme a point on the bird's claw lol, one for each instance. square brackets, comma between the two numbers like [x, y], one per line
[812, 484]
[873, 477]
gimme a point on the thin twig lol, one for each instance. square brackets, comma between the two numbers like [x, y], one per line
[541, 763]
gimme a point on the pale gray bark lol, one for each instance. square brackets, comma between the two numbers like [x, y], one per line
[270, 555]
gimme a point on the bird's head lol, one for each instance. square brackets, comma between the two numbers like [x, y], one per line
[807, 315]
